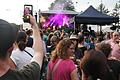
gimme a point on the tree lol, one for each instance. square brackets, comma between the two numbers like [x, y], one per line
[103, 9]
[115, 12]
[62, 5]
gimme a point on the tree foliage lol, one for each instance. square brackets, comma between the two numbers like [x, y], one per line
[103, 9]
[115, 12]
[62, 5]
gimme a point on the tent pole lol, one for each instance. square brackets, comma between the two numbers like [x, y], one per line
[97, 28]
[100, 29]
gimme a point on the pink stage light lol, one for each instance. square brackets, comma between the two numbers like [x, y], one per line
[57, 20]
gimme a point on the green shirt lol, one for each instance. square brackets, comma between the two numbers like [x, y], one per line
[29, 72]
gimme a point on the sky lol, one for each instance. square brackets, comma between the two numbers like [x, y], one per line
[12, 10]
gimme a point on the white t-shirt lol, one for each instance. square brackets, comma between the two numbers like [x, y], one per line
[21, 58]
[44, 48]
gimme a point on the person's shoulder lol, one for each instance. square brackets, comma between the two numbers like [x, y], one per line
[32, 68]
[30, 72]
[29, 49]
[109, 41]
[114, 64]
[70, 65]
[69, 62]
[33, 64]
[112, 61]
[16, 52]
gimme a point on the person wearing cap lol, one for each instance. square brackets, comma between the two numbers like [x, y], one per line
[30, 71]
[54, 41]
[78, 53]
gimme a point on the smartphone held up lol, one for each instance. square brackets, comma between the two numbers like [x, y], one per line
[28, 10]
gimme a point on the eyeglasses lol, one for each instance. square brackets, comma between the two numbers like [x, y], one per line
[115, 35]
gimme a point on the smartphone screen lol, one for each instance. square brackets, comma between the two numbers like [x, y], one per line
[28, 9]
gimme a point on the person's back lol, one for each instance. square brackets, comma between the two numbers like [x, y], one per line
[29, 72]
[22, 58]
[21, 55]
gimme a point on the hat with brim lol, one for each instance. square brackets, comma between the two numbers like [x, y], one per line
[74, 37]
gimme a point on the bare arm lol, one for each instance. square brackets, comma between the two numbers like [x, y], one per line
[74, 75]
[37, 44]
[84, 77]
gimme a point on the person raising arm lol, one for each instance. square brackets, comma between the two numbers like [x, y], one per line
[30, 71]
[38, 56]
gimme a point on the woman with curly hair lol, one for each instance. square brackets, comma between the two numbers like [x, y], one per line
[61, 67]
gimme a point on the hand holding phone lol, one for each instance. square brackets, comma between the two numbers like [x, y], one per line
[28, 10]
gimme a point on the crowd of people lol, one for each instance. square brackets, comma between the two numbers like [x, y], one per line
[37, 54]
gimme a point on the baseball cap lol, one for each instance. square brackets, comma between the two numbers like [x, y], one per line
[8, 33]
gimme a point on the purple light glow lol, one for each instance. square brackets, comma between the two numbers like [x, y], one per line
[57, 20]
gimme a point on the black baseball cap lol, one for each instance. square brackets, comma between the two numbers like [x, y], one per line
[8, 34]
